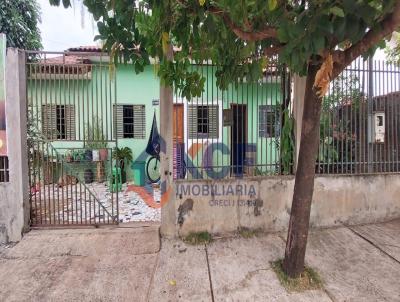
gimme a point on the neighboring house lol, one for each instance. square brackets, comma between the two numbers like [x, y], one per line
[77, 97]
[362, 142]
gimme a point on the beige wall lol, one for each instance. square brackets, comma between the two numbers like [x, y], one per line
[337, 200]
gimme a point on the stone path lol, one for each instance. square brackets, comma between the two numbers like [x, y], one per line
[72, 202]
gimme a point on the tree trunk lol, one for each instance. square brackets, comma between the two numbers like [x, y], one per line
[296, 243]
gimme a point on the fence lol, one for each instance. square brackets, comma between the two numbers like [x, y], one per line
[71, 133]
[235, 132]
[360, 127]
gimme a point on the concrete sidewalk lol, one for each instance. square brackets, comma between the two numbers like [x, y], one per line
[126, 264]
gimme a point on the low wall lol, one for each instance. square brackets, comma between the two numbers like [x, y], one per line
[264, 203]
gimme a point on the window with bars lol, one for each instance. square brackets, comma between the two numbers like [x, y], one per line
[58, 122]
[268, 121]
[4, 172]
[130, 121]
[203, 121]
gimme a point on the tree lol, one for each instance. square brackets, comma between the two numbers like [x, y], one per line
[19, 21]
[313, 38]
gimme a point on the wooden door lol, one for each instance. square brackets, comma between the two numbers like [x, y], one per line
[178, 142]
[178, 124]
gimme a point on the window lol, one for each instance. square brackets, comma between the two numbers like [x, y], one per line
[58, 122]
[127, 121]
[203, 121]
[4, 173]
[130, 121]
[268, 121]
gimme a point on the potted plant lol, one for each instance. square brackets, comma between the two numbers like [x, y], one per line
[123, 156]
[95, 140]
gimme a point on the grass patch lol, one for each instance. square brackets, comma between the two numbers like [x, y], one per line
[198, 238]
[308, 280]
[247, 233]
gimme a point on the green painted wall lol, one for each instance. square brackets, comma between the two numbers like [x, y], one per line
[252, 95]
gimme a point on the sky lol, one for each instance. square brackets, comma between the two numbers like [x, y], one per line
[62, 28]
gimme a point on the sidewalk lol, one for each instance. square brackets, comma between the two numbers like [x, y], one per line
[126, 264]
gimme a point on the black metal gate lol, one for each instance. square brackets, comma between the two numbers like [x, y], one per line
[71, 139]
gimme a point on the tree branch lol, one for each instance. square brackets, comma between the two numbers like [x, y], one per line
[373, 36]
[257, 35]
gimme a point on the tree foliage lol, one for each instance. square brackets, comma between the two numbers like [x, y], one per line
[393, 49]
[19, 20]
[239, 37]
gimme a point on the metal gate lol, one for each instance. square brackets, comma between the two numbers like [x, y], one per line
[71, 139]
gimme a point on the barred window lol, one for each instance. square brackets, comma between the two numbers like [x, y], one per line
[130, 121]
[4, 173]
[58, 122]
[268, 121]
[203, 121]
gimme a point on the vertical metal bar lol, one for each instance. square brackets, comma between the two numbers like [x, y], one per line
[391, 110]
[364, 117]
[109, 107]
[36, 146]
[33, 103]
[356, 118]
[370, 96]
[395, 81]
[257, 126]
[382, 99]
[116, 139]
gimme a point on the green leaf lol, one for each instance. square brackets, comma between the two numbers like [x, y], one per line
[337, 11]
[283, 35]
[272, 4]
[318, 43]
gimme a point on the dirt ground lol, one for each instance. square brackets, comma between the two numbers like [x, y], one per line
[131, 263]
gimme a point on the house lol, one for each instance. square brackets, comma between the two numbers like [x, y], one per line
[79, 100]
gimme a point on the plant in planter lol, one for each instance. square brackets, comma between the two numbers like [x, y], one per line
[96, 142]
[95, 139]
[123, 156]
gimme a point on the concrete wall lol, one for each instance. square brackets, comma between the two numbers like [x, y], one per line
[264, 203]
[14, 198]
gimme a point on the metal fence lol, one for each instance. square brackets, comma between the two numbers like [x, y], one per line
[70, 139]
[360, 125]
[234, 132]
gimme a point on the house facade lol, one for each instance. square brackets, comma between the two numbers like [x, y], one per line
[80, 101]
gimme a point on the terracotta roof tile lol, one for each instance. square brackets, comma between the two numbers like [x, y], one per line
[85, 49]
[67, 64]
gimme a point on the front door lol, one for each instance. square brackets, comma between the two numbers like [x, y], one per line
[178, 140]
[238, 138]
